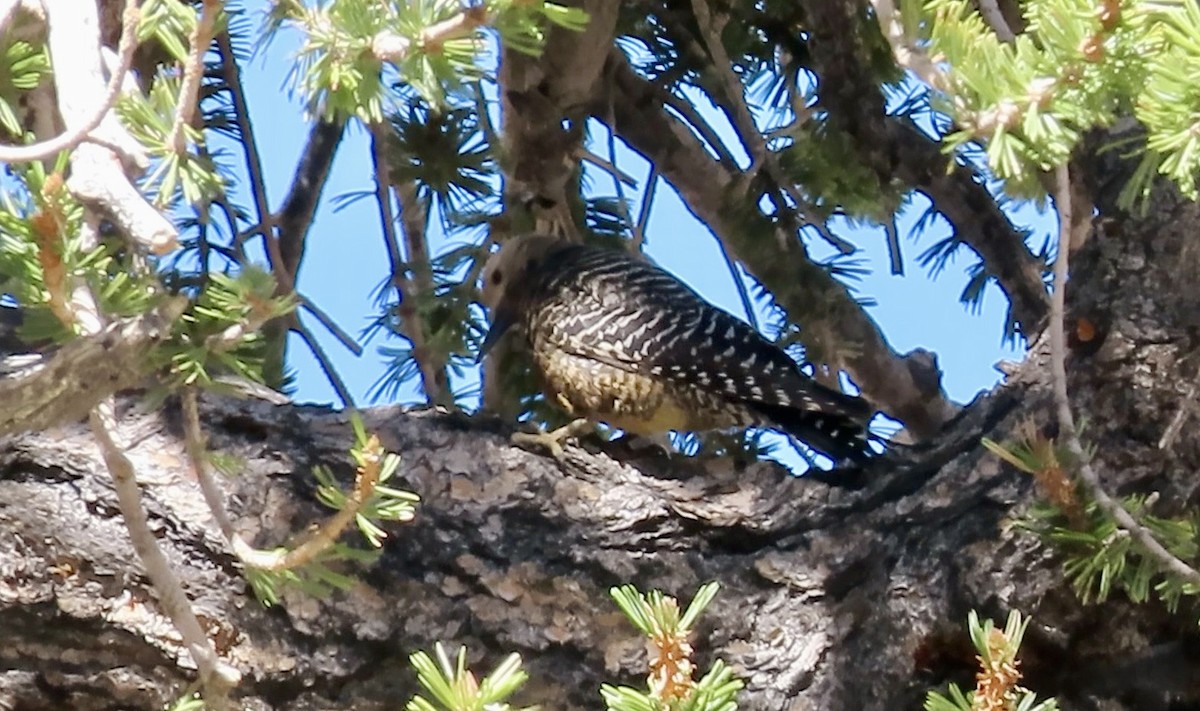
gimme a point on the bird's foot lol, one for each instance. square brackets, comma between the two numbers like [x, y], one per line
[551, 440]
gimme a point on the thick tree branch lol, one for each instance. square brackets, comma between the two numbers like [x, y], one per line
[69, 382]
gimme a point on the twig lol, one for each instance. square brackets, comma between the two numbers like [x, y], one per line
[196, 446]
[639, 234]
[618, 179]
[739, 283]
[895, 256]
[241, 111]
[1091, 481]
[193, 73]
[335, 379]
[752, 139]
[330, 325]
[747, 130]
[1186, 407]
[830, 238]
[995, 19]
[365, 480]
[907, 55]
[390, 47]
[77, 131]
[101, 164]
[606, 165]
[215, 676]
[703, 128]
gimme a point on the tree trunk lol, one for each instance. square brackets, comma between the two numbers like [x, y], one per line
[832, 598]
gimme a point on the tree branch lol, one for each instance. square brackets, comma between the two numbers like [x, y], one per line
[895, 149]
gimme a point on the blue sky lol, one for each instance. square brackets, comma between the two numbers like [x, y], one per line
[345, 257]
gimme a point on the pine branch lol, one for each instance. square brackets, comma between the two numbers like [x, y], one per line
[896, 150]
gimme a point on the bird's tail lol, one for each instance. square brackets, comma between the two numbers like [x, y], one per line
[838, 431]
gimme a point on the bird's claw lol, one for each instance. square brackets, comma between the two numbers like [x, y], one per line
[551, 440]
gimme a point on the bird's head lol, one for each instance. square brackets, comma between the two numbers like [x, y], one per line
[506, 281]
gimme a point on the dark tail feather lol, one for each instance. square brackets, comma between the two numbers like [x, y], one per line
[836, 435]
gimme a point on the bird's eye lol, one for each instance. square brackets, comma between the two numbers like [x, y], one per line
[497, 277]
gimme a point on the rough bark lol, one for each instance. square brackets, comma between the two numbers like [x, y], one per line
[831, 599]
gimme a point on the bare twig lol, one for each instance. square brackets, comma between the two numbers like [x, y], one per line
[707, 133]
[739, 283]
[101, 164]
[331, 373]
[1091, 480]
[196, 446]
[895, 256]
[643, 218]
[743, 120]
[193, 72]
[241, 111]
[755, 143]
[330, 325]
[197, 450]
[995, 19]
[215, 676]
[79, 127]
[1186, 407]
[606, 165]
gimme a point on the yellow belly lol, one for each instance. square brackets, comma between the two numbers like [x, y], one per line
[636, 403]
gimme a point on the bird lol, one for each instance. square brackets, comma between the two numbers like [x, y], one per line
[616, 339]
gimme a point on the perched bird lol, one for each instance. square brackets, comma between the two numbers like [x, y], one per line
[617, 339]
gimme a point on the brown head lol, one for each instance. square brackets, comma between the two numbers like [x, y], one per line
[506, 281]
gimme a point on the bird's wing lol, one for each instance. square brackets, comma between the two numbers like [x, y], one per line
[631, 315]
